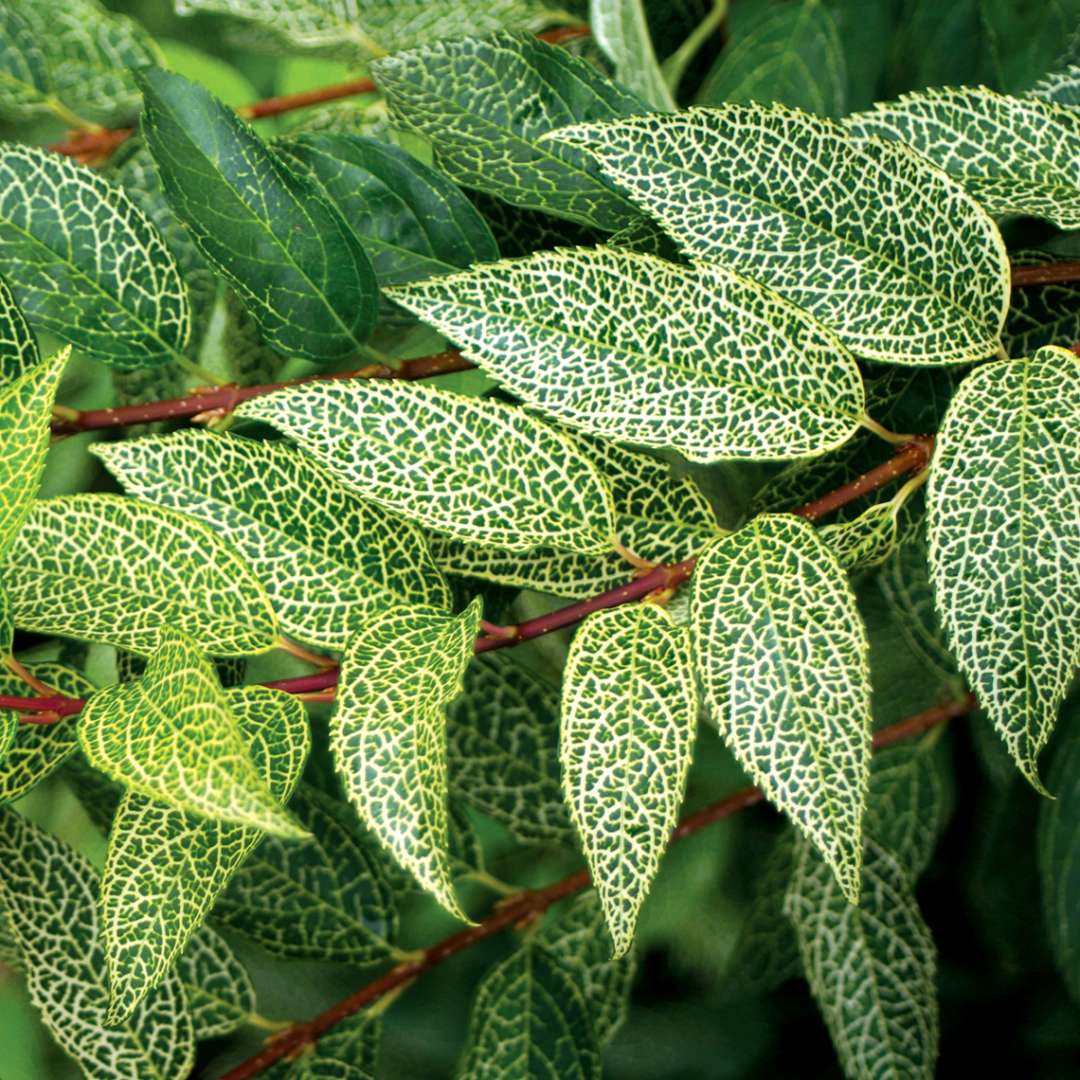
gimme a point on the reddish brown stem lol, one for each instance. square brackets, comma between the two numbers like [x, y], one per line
[909, 458]
[287, 102]
[227, 398]
[1058, 273]
[562, 34]
[525, 907]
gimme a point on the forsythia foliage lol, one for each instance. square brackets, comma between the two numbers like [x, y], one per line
[674, 285]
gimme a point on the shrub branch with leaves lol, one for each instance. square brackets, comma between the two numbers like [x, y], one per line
[658, 327]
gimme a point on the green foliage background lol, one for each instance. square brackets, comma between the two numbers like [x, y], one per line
[697, 1011]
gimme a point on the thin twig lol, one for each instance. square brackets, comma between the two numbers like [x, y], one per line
[528, 905]
[1058, 273]
[226, 398]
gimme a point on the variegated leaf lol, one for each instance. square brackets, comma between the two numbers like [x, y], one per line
[621, 29]
[629, 717]
[38, 749]
[73, 59]
[85, 263]
[1004, 531]
[660, 516]
[790, 54]
[165, 867]
[529, 1020]
[577, 938]
[484, 105]
[327, 898]
[173, 735]
[1061, 87]
[127, 569]
[412, 221]
[1016, 155]
[50, 896]
[25, 411]
[866, 540]
[388, 733]
[477, 470]
[848, 242]
[783, 661]
[217, 986]
[871, 967]
[326, 558]
[18, 348]
[286, 252]
[502, 746]
[637, 349]
[373, 27]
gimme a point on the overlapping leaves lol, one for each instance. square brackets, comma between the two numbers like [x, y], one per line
[173, 735]
[326, 558]
[660, 516]
[783, 662]
[629, 717]
[637, 349]
[388, 733]
[288, 254]
[849, 242]
[127, 569]
[478, 470]
[484, 105]
[166, 866]
[1004, 530]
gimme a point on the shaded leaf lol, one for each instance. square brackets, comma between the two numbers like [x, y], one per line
[529, 1021]
[75, 53]
[373, 27]
[50, 896]
[502, 748]
[1015, 155]
[871, 967]
[659, 516]
[790, 54]
[1062, 87]
[388, 733]
[411, 220]
[165, 867]
[637, 349]
[478, 470]
[1004, 530]
[126, 570]
[326, 897]
[287, 253]
[621, 29]
[783, 661]
[849, 242]
[577, 938]
[1044, 315]
[326, 558]
[349, 1052]
[484, 105]
[85, 263]
[174, 735]
[629, 718]
[218, 989]
[1058, 850]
